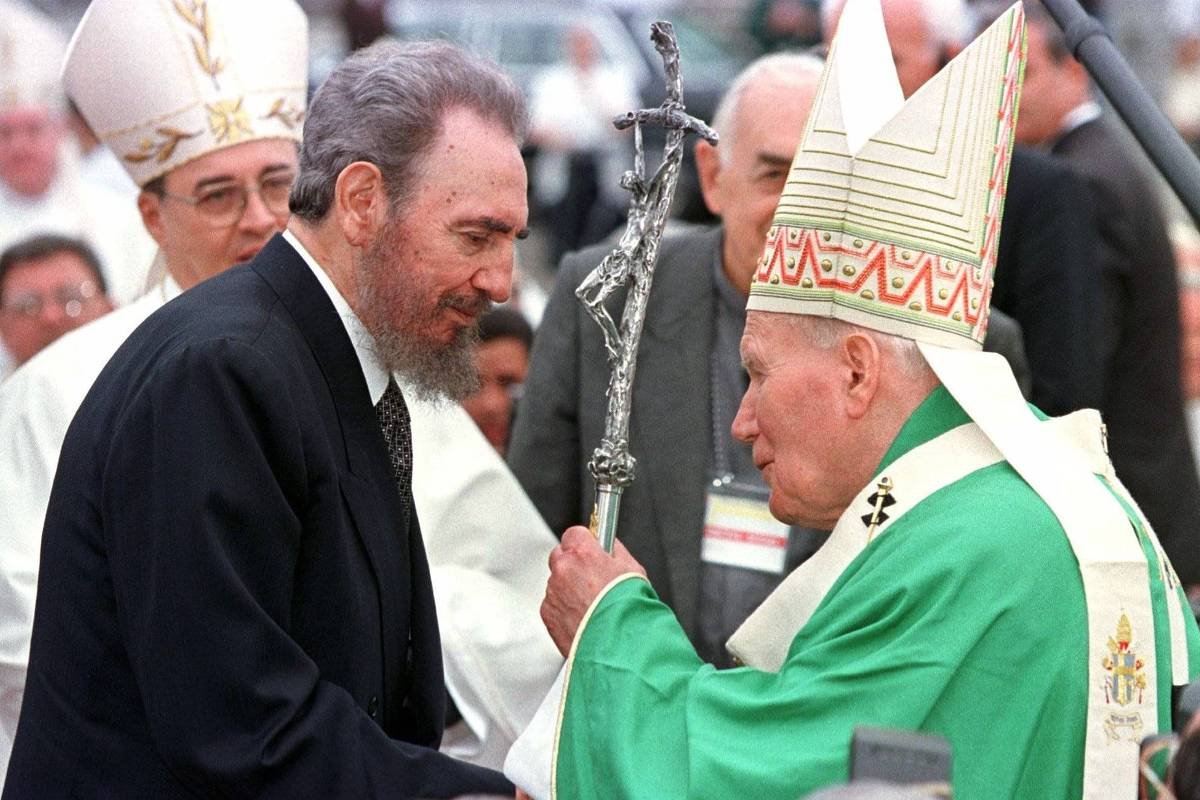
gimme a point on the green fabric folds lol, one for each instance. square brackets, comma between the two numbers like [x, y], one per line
[965, 619]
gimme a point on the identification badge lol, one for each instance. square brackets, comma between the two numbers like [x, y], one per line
[739, 530]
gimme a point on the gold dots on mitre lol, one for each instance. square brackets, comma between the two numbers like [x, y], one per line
[848, 271]
[906, 256]
[943, 293]
[916, 306]
[826, 265]
[774, 280]
[867, 294]
[793, 235]
[827, 236]
[791, 262]
[957, 315]
[807, 283]
[897, 282]
[772, 232]
[858, 243]
[974, 303]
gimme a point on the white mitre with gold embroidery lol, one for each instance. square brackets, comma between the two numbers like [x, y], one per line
[163, 82]
[890, 220]
[31, 50]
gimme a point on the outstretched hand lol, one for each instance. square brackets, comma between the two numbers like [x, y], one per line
[579, 569]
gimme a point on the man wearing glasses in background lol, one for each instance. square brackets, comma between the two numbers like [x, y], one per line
[49, 285]
[209, 132]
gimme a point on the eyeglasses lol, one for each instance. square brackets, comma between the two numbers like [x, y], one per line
[224, 205]
[72, 300]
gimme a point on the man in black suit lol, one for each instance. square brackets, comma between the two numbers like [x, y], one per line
[234, 598]
[1138, 313]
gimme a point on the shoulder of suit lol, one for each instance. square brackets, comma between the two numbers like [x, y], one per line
[679, 239]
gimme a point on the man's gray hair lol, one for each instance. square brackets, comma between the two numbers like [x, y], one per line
[826, 333]
[385, 105]
[784, 69]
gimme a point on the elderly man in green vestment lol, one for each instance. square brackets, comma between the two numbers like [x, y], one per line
[987, 577]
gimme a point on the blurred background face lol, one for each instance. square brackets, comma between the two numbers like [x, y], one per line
[42, 299]
[29, 140]
[1042, 107]
[199, 222]
[503, 364]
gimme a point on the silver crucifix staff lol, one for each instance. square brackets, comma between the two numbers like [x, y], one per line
[631, 263]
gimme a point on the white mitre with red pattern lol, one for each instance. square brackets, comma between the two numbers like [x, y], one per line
[891, 214]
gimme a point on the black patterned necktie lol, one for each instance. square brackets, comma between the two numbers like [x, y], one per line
[397, 435]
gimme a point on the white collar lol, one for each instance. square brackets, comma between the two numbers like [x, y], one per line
[364, 344]
[1079, 116]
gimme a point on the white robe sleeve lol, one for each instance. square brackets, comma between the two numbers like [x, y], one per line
[488, 551]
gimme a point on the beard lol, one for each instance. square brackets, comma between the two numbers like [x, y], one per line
[393, 306]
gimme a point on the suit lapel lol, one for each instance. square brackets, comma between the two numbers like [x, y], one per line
[671, 416]
[378, 516]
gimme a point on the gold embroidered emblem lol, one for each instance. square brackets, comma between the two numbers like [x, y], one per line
[228, 121]
[160, 149]
[1124, 684]
[196, 14]
[287, 113]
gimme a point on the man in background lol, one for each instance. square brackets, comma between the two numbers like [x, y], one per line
[504, 341]
[41, 190]
[1138, 328]
[48, 285]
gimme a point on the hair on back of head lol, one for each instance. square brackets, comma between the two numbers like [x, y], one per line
[385, 105]
[785, 69]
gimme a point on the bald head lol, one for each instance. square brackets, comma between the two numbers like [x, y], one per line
[760, 121]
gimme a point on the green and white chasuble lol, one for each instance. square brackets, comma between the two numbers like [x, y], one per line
[964, 617]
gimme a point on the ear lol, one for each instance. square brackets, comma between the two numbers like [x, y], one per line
[150, 207]
[360, 203]
[862, 360]
[708, 167]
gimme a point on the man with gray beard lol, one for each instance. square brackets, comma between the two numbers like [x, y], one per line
[231, 562]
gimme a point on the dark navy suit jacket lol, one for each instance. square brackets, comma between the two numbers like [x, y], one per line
[234, 599]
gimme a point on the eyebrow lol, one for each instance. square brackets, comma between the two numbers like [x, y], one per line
[497, 226]
[774, 160]
[223, 179]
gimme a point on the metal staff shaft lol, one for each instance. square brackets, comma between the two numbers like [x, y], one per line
[631, 264]
[1088, 40]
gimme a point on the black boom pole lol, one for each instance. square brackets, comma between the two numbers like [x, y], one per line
[1088, 40]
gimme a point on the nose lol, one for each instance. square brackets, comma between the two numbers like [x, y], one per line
[257, 218]
[745, 424]
[495, 279]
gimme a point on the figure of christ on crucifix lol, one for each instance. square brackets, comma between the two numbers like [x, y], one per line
[631, 263]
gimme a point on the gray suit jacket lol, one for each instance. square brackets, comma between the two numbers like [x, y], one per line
[561, 415]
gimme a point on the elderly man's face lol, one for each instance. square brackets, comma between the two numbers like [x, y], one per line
[446, 255]
[199, 222]
[744, 177]
[42, 299]
[29, 139]
[793, 417]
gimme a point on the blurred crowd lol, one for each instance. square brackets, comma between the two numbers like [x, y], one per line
[1098, 279]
